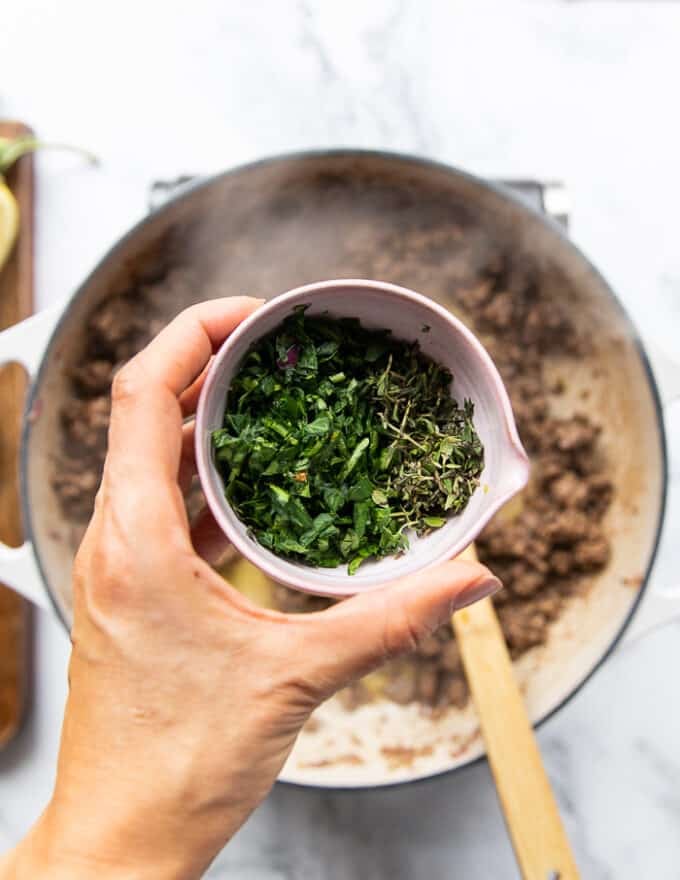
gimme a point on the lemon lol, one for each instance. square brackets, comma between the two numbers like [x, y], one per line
[9, 221]
[12, 149]
[250, 581]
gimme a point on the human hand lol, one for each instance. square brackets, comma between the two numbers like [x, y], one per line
[185, 699]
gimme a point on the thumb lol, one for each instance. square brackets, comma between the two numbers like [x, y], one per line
[363, 632]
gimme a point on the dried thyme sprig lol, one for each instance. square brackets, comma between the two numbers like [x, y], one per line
[338, 440]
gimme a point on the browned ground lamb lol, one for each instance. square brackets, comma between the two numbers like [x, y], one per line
[544, 554]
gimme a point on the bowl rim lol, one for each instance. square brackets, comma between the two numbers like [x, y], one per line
[218, 504]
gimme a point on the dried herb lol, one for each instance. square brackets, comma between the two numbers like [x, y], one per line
[338, 440]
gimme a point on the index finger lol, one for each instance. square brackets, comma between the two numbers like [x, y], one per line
[182, 349]
[145, 430]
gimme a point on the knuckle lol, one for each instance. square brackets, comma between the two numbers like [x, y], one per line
[402, 633]
[190, 318]
[190, 313]
[110, 576]
[102, 575]
[295, 697]
[127, 384]
[304, 692]
[107, 574]
[305, 679]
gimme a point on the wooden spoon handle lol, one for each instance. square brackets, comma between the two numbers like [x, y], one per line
[531, 814]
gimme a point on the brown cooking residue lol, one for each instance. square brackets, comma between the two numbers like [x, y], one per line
[464, 744]
[404, 756]
[545, 548]
[635, 581]
[349, 759]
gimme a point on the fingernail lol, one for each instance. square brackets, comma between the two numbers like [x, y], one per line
[480, 589]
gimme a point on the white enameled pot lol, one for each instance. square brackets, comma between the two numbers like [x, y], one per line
[287, 206]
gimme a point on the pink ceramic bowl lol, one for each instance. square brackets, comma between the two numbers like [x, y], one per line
[448, 342]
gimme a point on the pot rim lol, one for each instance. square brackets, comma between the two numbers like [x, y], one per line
[502, 192]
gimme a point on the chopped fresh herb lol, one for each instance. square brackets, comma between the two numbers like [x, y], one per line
[337, 441]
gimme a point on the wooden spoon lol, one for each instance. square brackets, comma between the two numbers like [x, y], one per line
[531, 814]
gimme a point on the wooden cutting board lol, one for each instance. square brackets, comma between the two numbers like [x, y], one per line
[16, 303]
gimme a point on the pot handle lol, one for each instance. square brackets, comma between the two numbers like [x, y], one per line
[19, 571]
[25, 343]
[658, 606]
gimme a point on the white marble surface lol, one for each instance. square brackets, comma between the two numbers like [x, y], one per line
[586, 92]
